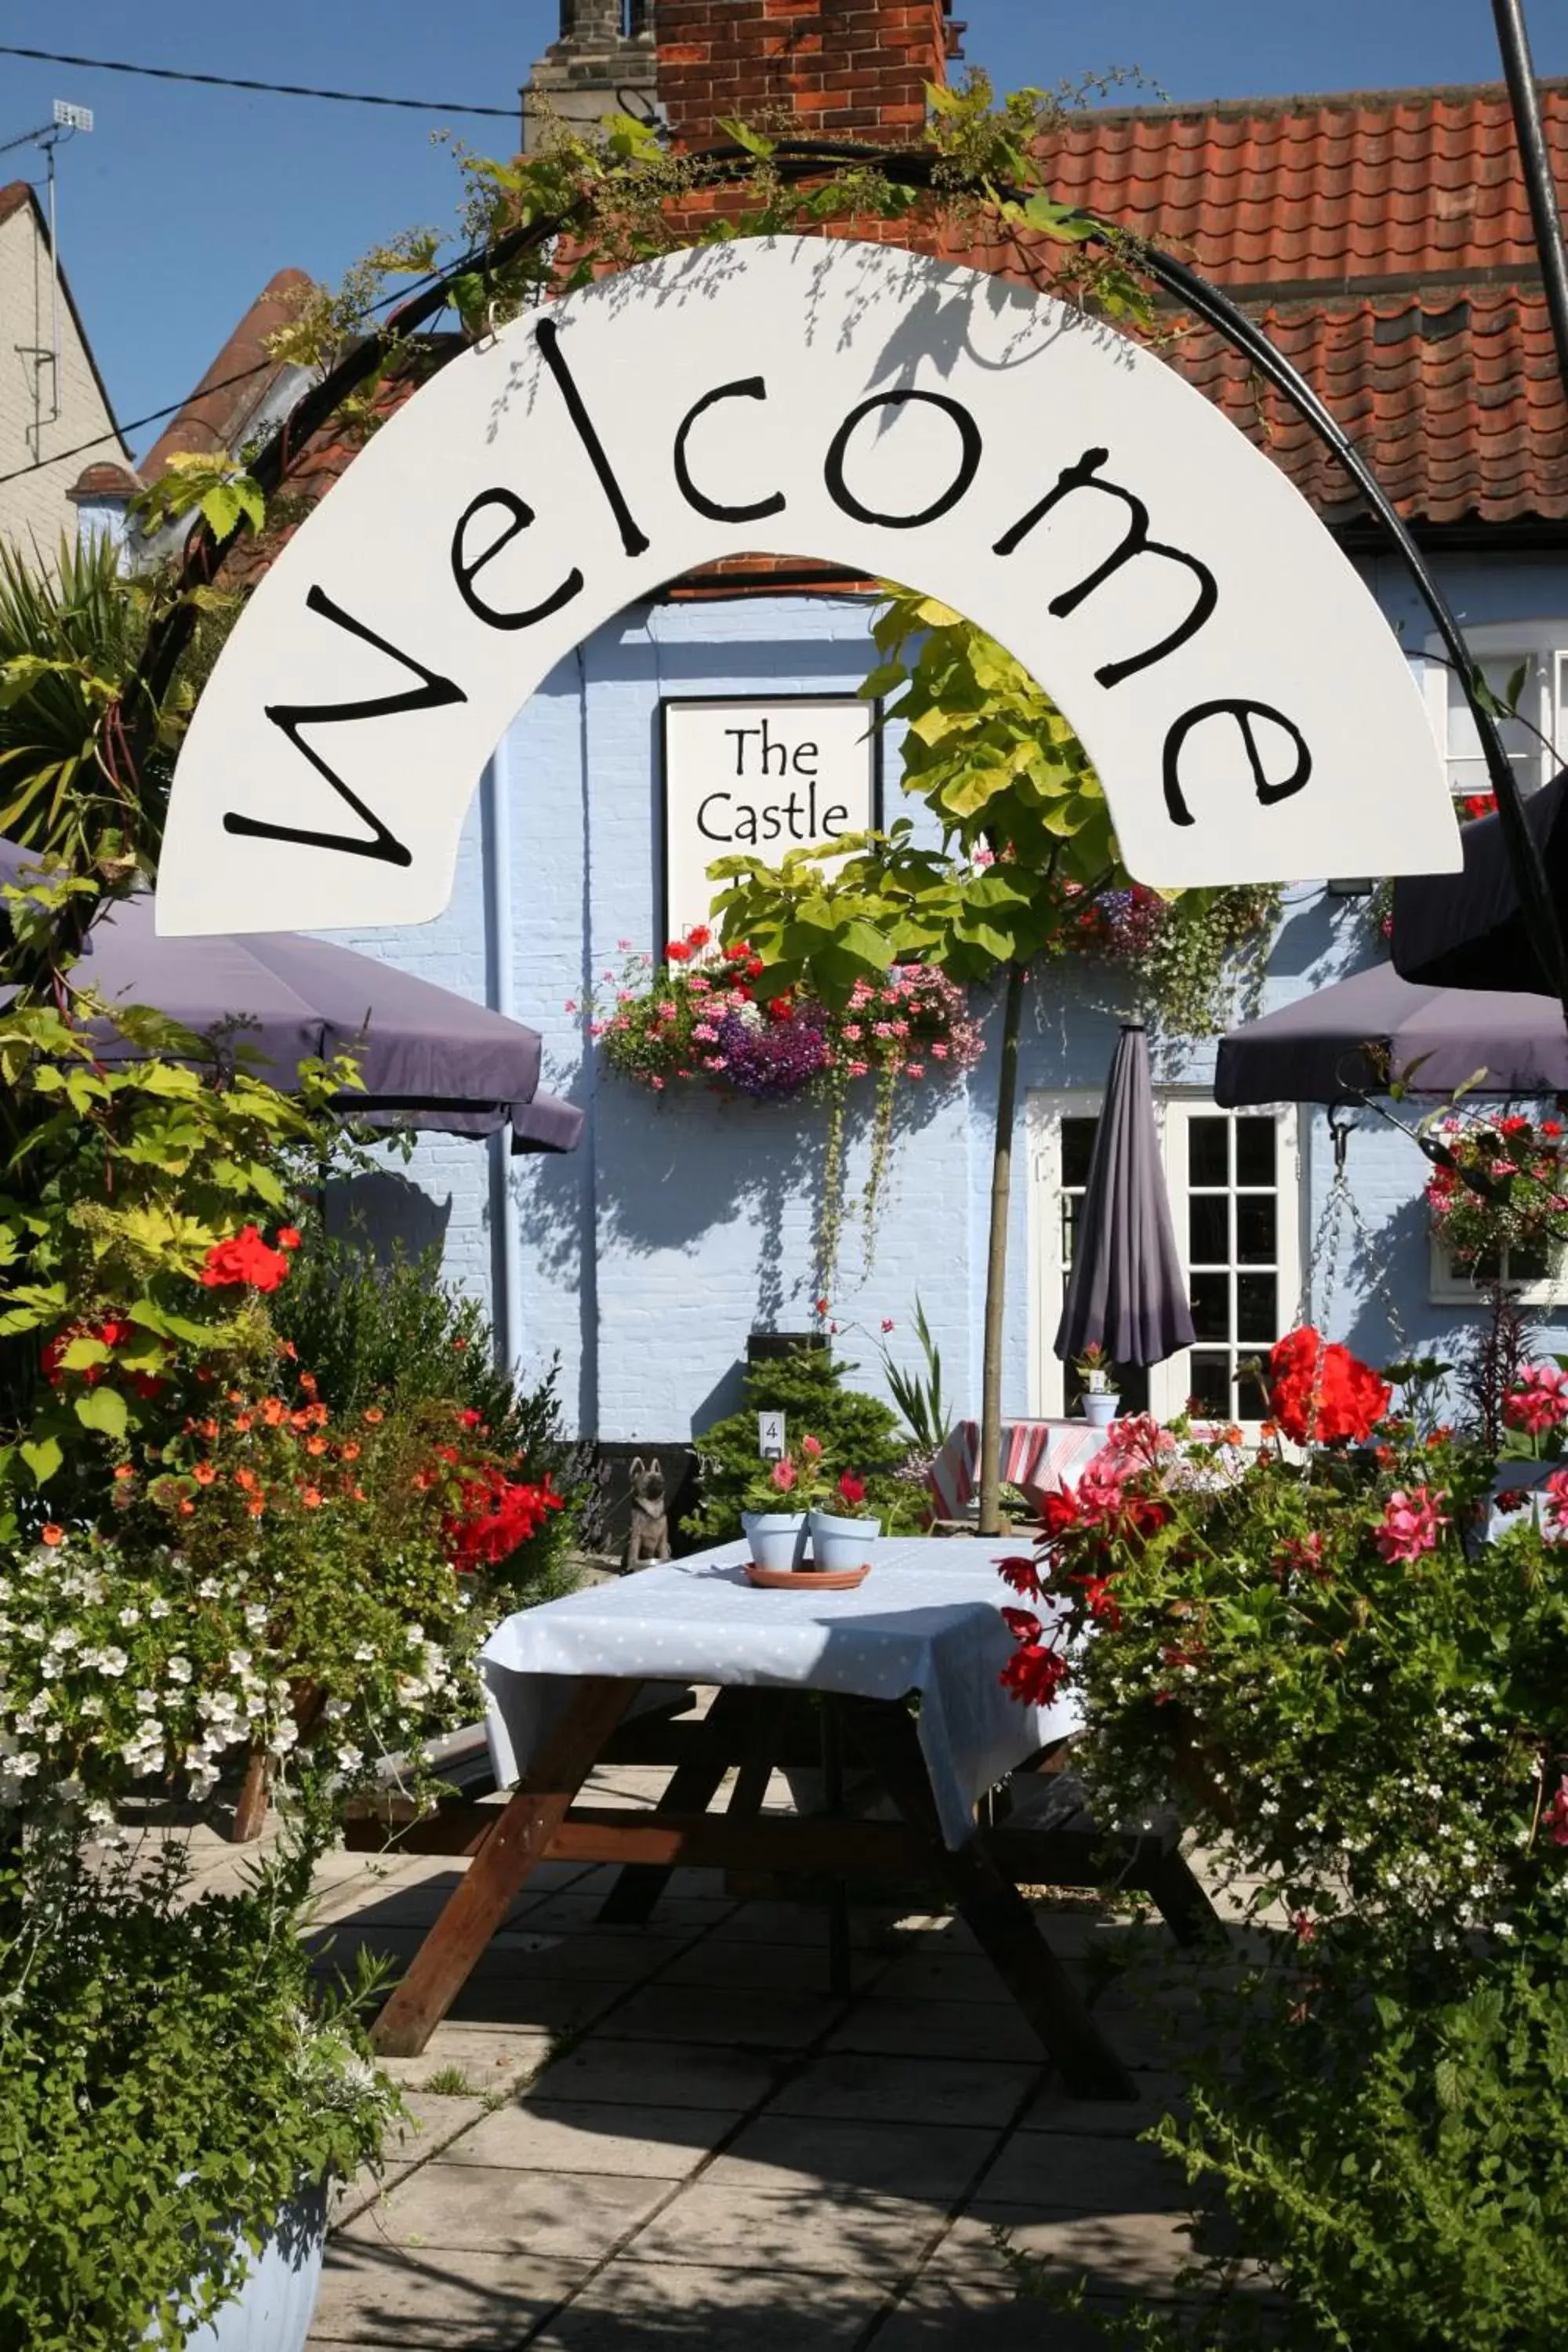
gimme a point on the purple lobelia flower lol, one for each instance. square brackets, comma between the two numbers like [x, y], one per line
[778, 1057]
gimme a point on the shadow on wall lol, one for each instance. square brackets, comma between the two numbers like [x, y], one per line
[387, 1214]
[672, 1172]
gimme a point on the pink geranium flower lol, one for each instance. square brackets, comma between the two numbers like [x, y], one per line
[812, 1448]
[1539, 1402]
[783, 1477]
[1411, 1523]
[1554, 1817]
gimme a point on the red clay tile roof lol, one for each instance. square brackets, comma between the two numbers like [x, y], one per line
[1339, 190]
[218, 410]
[1456, 401]
[1383, 237]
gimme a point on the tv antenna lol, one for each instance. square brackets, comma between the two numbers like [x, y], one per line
[64, 123]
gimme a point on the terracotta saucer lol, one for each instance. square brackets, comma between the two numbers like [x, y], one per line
[809, 1579]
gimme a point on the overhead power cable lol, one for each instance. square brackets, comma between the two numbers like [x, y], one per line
[270, 88]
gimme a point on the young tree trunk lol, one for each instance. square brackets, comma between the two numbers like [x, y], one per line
[996, 1257]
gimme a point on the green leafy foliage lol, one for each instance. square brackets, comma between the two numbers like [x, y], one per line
[171, 2078]
[71, 636]
[373, 1328]
[809, 1387]
[1361, 1702]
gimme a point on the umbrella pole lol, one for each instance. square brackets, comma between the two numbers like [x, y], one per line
[996, 1258]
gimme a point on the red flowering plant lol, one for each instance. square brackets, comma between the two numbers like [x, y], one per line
[273, 1576]
[1361, 1702]
[145, 1221]
[1514, 1218]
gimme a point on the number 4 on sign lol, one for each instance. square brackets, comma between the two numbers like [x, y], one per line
[771, 1436]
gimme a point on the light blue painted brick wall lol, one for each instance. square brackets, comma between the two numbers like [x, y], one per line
[683, 1224]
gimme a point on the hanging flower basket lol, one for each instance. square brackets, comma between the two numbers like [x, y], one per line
[696, 1017]
[1526, 1163]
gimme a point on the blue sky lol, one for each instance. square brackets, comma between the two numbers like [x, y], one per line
[183, 201]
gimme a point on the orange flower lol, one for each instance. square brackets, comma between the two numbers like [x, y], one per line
[246, 1478]
[255, 1506]
[287, 1237]
[315, 1445]
[300, 1420]
[349, 1453]
[308, 1382]
[187, 1508]
[311, 1497]
[208, 1429]
[273, 1412]
[124, 1470]
[51, 1534]
[320, 1415]
[372, 1413]
[243, 1421]
[203, 1473]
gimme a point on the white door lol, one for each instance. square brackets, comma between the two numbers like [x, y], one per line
[1235, 1185]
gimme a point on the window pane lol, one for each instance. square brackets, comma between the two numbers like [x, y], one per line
[1467, 761]
[1255, 1150]
[1208, 1150]
[1078, 1149]
[1251, 1396]
[1528, 1264]
[1208, 1229]
[1072, 1211]
[1211, 1383]
[1211, 1306]
[1257, 1223]
[1256, 1308]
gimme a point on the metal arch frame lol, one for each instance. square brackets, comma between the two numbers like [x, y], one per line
[797, 160]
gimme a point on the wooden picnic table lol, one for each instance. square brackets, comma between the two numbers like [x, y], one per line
[888, 1696]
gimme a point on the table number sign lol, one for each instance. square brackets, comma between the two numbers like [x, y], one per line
[771, 1443]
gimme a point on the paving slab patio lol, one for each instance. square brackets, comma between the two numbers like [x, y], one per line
[677, 2139]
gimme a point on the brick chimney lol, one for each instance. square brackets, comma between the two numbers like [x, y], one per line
[841, 69]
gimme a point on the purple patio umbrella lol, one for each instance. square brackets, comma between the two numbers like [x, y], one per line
[1127, 1290]
[428, 1058]
[1467, 929]
[1344, 1041]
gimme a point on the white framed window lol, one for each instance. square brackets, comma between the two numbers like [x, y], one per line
[1535, 1278]
[1235, 1184]
[1537, 738]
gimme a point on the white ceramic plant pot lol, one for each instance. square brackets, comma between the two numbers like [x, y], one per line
[777, 1537]
[277, 2300]
[839, 1543]
[1100, 1407]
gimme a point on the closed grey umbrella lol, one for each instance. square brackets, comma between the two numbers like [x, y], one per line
[1127, 1290]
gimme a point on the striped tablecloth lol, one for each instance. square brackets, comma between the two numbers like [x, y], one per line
[1038, 1453]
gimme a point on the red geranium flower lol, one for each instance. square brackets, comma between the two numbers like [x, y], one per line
[699, 936]
[677, 951]
[244, 1258]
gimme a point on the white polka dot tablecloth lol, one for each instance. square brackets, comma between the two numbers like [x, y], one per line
[927, 1621]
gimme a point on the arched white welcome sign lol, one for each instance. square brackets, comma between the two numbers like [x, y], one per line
[1249, 710]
